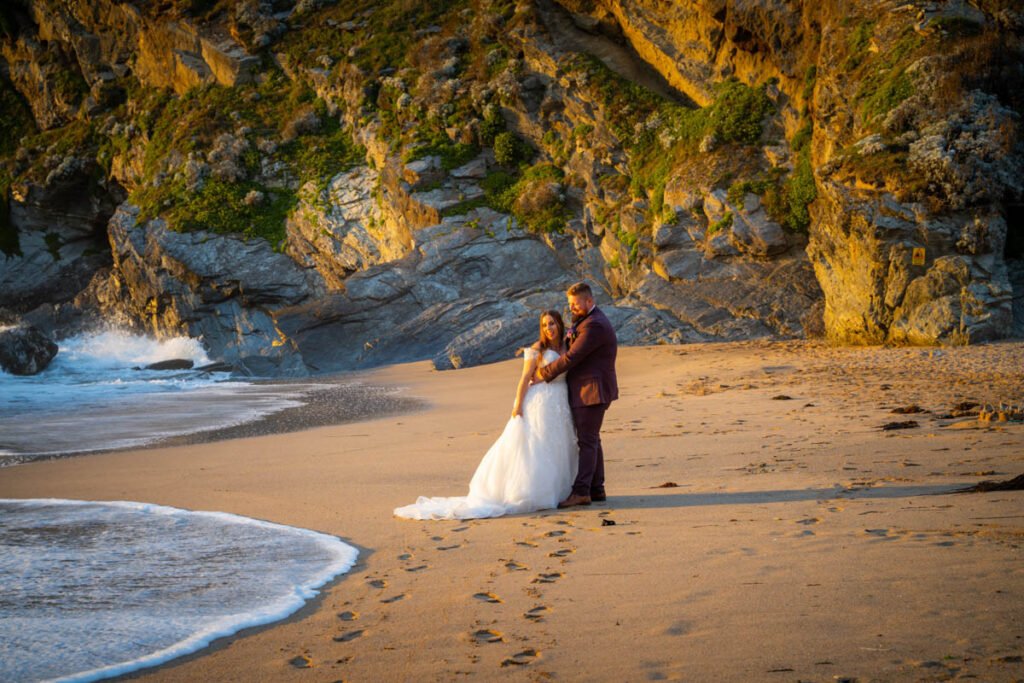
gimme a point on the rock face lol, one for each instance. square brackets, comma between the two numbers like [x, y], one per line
[343, 229]
[61, 235]
[718, 170]
[24, 350]
[833, 70]
[471, 291]
[880, 294]
[220, 288]
[109, 37]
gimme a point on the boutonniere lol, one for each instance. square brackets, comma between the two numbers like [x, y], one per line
[571, 336]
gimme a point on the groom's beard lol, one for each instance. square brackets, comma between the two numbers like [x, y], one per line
[577, 319]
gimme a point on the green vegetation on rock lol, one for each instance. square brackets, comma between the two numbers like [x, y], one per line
[858, 43]
[884, 81]
[660, 135]
[530, 195]
[370, 34]
[203, 168]
[452, 154]
[510, 150]
[721, 225]
[16, 121]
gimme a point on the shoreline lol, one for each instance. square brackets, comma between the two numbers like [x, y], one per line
[764, 523]
[348, 398]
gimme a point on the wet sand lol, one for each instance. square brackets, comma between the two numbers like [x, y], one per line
[761, 525]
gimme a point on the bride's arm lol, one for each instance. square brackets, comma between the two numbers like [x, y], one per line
[529, 367]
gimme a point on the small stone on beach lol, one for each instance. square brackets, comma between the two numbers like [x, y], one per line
[907, 424]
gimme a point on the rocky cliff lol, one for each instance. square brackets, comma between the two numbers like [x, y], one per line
[312, 186]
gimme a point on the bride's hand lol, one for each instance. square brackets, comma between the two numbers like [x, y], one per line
[517, 411]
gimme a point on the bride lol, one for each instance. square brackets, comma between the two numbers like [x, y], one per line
[533, 463]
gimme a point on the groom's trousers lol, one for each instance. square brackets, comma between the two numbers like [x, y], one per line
[587, 420]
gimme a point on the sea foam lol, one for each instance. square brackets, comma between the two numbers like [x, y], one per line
[99, 589]
[94, 396]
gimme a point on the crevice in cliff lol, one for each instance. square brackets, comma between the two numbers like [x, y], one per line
[620, 58]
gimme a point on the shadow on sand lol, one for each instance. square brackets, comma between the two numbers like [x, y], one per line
[682, 500]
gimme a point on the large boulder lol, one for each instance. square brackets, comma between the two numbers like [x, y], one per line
[25, 350]
[220, 288]
[892, 273]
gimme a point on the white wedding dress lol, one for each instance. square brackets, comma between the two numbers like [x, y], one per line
[530, 467]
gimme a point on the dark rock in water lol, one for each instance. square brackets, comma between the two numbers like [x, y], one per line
[173, 364]
[1015, 484]
[216, 367]
[25, 350]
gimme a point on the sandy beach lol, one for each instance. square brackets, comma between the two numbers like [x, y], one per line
[761, 526]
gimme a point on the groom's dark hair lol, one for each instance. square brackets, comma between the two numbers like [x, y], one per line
[580, 288]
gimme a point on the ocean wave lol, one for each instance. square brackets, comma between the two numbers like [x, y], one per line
[100, 589]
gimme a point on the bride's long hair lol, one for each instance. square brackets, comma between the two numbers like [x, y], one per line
[559, 340]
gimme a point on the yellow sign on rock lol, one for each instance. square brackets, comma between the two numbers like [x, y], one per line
[917, 258]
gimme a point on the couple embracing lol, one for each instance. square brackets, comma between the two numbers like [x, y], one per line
[550, 451]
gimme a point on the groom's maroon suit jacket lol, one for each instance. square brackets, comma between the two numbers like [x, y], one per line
[589, 362]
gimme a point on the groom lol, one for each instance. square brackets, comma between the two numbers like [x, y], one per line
[590, 364]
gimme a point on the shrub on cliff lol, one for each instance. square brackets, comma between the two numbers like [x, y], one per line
[738, 112]
[509, 150]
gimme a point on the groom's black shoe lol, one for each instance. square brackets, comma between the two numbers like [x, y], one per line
[598, 496]
[574, 500]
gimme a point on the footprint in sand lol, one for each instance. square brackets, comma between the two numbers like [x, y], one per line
[417, 568]
[301, 662]
[486, 635]
[526, 544]
[348, 616]
[809, 521]
[521, 658]
[514, 566]
[449, 547]
[553, 534]
[547, 578]
[488, 597]
[405, 556]
[350, 636]
[882, 534]
[395, 598]
[562, 553]
[377, 583]
[537, 613]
